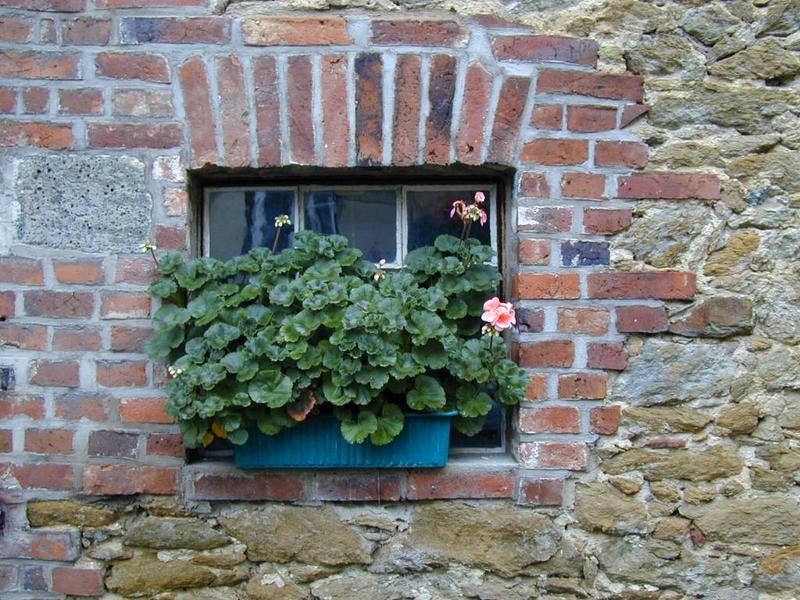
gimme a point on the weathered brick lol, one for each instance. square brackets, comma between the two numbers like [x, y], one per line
[122, 373]
[299, 90]
[76, 339]
[55, 373]
[589, 119]
[38, 65]
[335, 116]
[79, 272]
[291, 31]
[555, 152]
[606, 221]
[47, 31]
[550, 353]
[544, 286]
[441, 484]
[79, 405]
[267, 106]
[58, 304]
[607, 355]
[598, 85]
[129, 480]
[172, 238]
[169, 168]
[35, 100]
[620, 154]
[669, 186]
[474, 112]
[8, 301]
[407, 105]
[176, 30]
[120, 444]
[263, 486]
[659, 443]
[23, 336]
[86, 31]
[234, 111]
[369, 109]
[46, 5]
[441, 91]
[124, 305]
[553, 455]
[583, 185]
[54, 136]
[176, 202]
[550, 419]
[133, 65]
[136, 270]
[508, 119]
[21, 271]
[588, 320]
[8, 100]
[642, 319]
[358, 487]
[544, 219]
[541, 492]
[33, 578]
[6, 446]
[548, 116]
[403, 32]
[129, 339]
[661, 285]
[49, 441]
[141, 103]
[80, 102]
[135, 135]
[166, 444]
[584, 254]
[14, 30]
[583, 386]
[530, 320]
[533, 252]
[199, 112]
[14, 405]
[144, 410]
[78, 582]
[47, 476]
[148, 3]
[631, 112]
[605, 419]
[537, 388]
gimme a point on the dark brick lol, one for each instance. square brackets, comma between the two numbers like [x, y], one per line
[584, 254]
[441, 91]
[369, 109]
[113, 443]
[530, 320]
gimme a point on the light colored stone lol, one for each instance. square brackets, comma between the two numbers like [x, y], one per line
[171, 533]
[782, 18]
[692, 465]
[665, 54]
[599, 508]
[46, 513]
[739, 418]
[779, 570]
[629, 487]
[665, 491]
[735, 255]
[356, 587]
[672, 528]
[766, 59]
[709, 23]
[146, 575]
[268, 584]
[777, 167]
[672, 419]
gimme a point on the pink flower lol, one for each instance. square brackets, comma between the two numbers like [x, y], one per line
[458, 208]
[479, 197]
[500, 315]
[484, 217]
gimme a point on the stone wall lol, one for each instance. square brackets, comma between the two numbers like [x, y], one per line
[681, 483]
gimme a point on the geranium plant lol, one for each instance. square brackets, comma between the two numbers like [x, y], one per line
[267, 339]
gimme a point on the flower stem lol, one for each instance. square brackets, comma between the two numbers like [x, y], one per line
[277, 237]
[155, 258]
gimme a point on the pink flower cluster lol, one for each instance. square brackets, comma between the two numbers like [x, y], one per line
[500, 315]
[470, 213]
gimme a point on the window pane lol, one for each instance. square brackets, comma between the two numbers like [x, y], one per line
[367, 218]
[489, 437]
[239, 221]
[429, 216]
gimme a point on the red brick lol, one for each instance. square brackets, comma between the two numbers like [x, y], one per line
[508, 120]
[548, 116]
[6, 443]
[267, 104]
[335, 116]
[8, 301]
[598, 85]
[441, 91]
[47, 31]
[35, 100]
[75, 340]
[620, 154]
[58, 304]
[474, 112]
[176, 30]
[119, 444]
[533, 252]
[550, 419]
[554, 455]
[12, 405]
[583, 386]
[47, 476]
[142, 103]
[176, 203]
[125, 305]
[234, 113]
[407, 105]
[76, 406]
[662, 443]
[290, 31]
[129, 480]
[607, 355]
[591, 118]
[46, 5]
[16, 31]
[38, 65]
[79, 273]
[591, 321]
[37, 134]
[670, 186]
[550, 353]
[279, 487]
[171, 238]
[441, 484]
[129, 339]
[86, 31]
[136, 270]
[299, 93]
[642, 319]
[24, 337]
[545, 48]
[80, 102]
[78, 582]
[358, 487]
[661, 285]
[606, 221]
[135, 135]
[369, 109]
[49, 441]
[556, 152]
[166, 444]
[541, 492]
[122, 373]
[55, 373]
[8, 100]
[537, 388]
[631, 112]
[583, 185]
[605, 419]
[148, 3]
[199, 111]
[416, 33]
[544, 286]
[544, 219]
[144, 410]
[133, 65]
[46, 545]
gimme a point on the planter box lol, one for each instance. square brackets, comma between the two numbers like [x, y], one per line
[318, 443]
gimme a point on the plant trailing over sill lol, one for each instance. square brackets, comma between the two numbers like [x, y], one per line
[266, 340]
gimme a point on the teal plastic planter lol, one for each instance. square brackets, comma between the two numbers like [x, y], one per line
[318, 443]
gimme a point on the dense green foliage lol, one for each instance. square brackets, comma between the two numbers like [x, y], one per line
[264, 338]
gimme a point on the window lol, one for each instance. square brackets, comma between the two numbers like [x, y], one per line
[384, 222]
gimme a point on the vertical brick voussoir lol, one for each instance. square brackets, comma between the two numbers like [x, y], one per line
[670, 186]
[540, 48]
[291, 31]
[474, 111]
[408, 100]
[597, 85]
[508, 120]
[299, 90]
[441, 90]
[335, 115]
[660, 285]
[267, 107]
[417, 33]
[235, 115]
[369, 109]
[199, 111]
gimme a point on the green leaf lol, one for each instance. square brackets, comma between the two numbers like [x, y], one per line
[356, 431]
[162, 288]
[431, 355]
[448, 243]
[427, 394]
[456, 308]
[471, 403]
[205, 308]
[270, 387]
[170, 315]
[240, 364]
[282, 294]
[170, 262]
[390, 424]
[164, 341]
[238, 437]
[219, 335]
[469, 426]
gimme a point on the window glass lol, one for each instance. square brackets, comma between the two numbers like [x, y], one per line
[429, 216]
[367, 218]
[489, 437]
